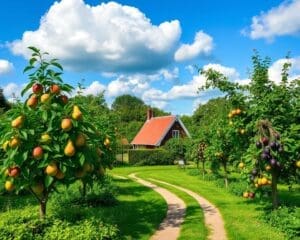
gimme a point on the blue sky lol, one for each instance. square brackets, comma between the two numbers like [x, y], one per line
[148, 48]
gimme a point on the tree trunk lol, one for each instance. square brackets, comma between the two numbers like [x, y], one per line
[225, 174]
[203, 169]
[83, 188]
[275, 200]
[43, 204]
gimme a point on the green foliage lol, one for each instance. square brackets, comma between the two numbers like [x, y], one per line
[26, 227]
[150, 157]
[176, 147]
[287, 219]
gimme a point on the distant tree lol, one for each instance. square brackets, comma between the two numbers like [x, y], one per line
[4, 106]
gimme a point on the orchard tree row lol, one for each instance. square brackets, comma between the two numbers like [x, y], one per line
[49, 140]
[255, 127]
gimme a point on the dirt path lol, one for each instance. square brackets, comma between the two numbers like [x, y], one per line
[213, 218]
[169, 229]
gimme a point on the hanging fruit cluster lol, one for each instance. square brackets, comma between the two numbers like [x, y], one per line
[49, 138]
[236, 123]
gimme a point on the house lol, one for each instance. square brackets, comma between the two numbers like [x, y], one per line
[156, 131]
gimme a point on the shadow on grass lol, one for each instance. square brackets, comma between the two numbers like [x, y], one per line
[11, 201]
[136, 213]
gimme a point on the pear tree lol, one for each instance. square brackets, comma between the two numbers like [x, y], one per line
[49, 139]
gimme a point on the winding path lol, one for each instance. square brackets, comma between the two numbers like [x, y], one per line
[169, 229]
[212, 216]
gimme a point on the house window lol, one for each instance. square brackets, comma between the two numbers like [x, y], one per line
[175, 133]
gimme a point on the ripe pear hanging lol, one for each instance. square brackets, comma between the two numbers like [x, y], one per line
[18, 122]
[76, 114]
[69, 149]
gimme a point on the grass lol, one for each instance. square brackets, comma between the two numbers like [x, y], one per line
[242, 217]
[137, 214]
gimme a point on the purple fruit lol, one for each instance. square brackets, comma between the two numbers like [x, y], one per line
[277, 145]
[273, 162]
[265, 156]
[273, 145]
[267, 150]
[280, 149]
[254, 172]
[258, 144]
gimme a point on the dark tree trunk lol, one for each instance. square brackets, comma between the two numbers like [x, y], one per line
[203, 169]
[275, 200]
[43, 204]
[83, 188]
[225, 174]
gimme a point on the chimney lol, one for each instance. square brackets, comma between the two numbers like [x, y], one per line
[149, 113]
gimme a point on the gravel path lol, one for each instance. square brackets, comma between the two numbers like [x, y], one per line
[213, 218]
[169, 229]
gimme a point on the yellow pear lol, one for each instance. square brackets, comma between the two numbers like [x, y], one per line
[18, 122]
[9, 186]
[80, 140]
[5, 145]
[14, 142]
[106, 142]
[66, 124]
[76, 114]
[45, 138]
[59, 175]
[38, 188]
[80, 173]
[51, 169]
[69, 149]
[45, 97]
[88, 167]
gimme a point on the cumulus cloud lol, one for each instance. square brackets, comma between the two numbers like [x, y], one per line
[281, 20]
[94, 88]
[202, 45]
[12, 91]
[109, 37]
[5, 67]
[190, 89]
[276, 68]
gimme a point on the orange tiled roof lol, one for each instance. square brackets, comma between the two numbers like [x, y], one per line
[154, 130]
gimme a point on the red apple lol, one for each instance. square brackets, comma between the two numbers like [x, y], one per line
[37, 152]
[55, 89]
[37, 88]
[64, 99]
[14, 172]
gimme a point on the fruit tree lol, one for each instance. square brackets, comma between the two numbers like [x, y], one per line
[49, 139]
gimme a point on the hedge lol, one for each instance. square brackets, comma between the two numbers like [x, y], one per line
[150, 157]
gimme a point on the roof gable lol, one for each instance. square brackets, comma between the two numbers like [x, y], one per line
[155, 129]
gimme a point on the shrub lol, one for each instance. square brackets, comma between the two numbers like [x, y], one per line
[150, 157]
[287, 219]
[19, 226]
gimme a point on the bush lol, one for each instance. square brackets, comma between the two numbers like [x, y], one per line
[25, 226]
[150, 157]
[287, 219]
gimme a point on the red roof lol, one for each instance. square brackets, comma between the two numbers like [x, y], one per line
[154, 130]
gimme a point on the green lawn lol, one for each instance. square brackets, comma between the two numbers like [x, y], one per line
[241, 216]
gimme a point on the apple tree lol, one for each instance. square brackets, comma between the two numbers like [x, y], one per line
[50, 139]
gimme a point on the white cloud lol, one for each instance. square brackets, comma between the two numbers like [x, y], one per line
[109, 37]
[94, 89]
[5, 67]
[227, 71]
[170, 75]
[132, 84]
[276, 68]
[190, 89]
[202, 45]
[281, 20]
[191, 69]
[12, 91]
